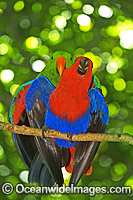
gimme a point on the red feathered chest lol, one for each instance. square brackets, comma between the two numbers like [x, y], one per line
[69, 101]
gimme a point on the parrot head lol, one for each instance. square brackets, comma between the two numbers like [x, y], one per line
[58, 61]
[71, 92]
[84, 66]
[79, 75]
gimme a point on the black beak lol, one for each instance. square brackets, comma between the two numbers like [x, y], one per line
[83, 66]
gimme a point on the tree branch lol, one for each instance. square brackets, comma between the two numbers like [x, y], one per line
[56, 134]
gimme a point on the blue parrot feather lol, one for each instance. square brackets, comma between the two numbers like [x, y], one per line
[97, 103]
[40, 88]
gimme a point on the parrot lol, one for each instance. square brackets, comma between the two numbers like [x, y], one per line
[74, 104]
[17, 112]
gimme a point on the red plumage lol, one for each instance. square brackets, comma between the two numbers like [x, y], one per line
[20, 105]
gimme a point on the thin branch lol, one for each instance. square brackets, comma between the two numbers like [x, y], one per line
[56, 134]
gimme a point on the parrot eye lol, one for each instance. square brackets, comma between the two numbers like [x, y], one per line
[52, 57]
[83, 66]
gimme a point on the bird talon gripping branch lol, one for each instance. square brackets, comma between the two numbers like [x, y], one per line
[44, 130]
[69, 135]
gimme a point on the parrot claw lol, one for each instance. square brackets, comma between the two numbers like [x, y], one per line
[69, 135]
[44, 130]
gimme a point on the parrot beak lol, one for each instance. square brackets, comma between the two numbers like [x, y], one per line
[83, 66]
[61, 62]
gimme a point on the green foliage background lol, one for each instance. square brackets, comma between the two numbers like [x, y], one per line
[101, 40]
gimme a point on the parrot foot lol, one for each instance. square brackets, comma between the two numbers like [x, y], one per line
[69, 135]
[44, 130]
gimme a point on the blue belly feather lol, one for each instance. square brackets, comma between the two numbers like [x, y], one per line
[62, 125]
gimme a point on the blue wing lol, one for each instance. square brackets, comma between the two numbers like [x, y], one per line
[98, 104]
[33, 115]
[85, 151]
[40, 89]
[37, 101]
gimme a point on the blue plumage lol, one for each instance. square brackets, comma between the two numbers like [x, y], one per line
[40, 88]
[97, 103]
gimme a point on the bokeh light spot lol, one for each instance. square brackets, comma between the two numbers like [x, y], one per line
[14, 88]
[128, 129]
[129, 87]
[54, 10]
[83, 20]
[104, 91]
[112, 67]
[1, 107]
[105, 56]
[67, 14]
[86, 28]
[1, 11]
[126, 39]
[1, 151]
[105, 161]
[123, 113]
[113, 109]
[69, 1]
[44, 34]
[88, 9]
[43, 50]
[54, 35]
[4, 170]
[25, 23]
[3, 5]
[118, 171]
[90, 55]
[37, 7]
[112, 31]
[38, 65]
[32, 42]
[76, 4]
[1, 118]
[129, 182]
[7, 75]
[24, 176]
[119, 84]
[60, 22]
[95, 59]
[117, 51]
[3, 49]
[130, 102]
[18, 6]
[105, 11]
[116, 61]
[79, 52]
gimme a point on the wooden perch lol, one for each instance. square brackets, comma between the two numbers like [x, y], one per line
[56, 134]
